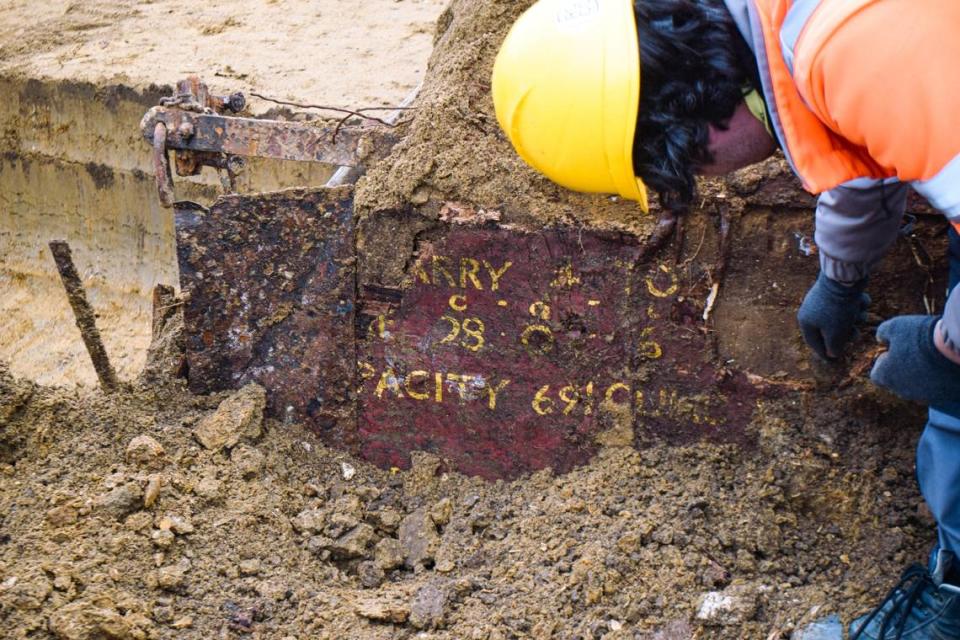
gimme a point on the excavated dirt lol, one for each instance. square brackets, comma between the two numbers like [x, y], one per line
[454, 149]
[153, 513]
[271, 535]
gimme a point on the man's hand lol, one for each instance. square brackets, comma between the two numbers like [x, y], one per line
[913, 367]
[829, 314]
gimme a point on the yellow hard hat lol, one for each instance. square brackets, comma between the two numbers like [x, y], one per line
[566, 89]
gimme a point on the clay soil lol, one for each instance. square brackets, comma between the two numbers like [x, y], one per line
[279, 537]
[154, 513]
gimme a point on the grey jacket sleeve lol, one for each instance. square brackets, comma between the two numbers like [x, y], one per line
[950, 324]
[857, 223]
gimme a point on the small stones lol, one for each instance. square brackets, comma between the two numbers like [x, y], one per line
[629, 542]
[63, 515]
[177, 524]
[121, 500]
[347, 470]
[428, 609]
[249, 567]
[173, 577]
[239, 416]
[29, 593]
[383, 610]
[441, 512]
[182, 623]
[353, 544]
[309, 521]
[152, 492]
[208, 488]
[388, 554]
[387, 519]
[370, 574]
[145, 452]
[86, 620]
[732, 606]
[338, 524]
[162, 538]
[418, 538]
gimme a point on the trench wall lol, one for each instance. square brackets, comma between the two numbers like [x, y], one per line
[74, 166]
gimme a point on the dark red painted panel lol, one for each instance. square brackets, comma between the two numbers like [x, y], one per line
[510, 352]
[504, 351]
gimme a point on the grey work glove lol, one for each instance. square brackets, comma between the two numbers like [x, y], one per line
[913, 367]
[829, 314]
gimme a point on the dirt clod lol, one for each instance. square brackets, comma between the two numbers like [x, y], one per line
[418, 539]
[734, 605]
[429, 606]
[383, 610]
[239, 416]
[145, 452]
[121, 500]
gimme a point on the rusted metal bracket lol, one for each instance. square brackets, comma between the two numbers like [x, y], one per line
[194, 125]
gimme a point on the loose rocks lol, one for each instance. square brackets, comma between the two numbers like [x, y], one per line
[145, 452]
[383, 610]
[418, 538]
[732, 606]
[239, 416]
[429, 606]
[121, 501]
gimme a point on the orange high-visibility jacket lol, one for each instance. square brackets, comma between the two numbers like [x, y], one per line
[864, 96]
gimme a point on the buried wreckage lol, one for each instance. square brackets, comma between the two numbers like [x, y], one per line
[500, 348]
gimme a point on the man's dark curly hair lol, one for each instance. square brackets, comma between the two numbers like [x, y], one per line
[691, 77]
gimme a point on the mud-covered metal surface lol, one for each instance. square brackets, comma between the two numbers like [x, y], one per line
[254, 137]
[511, 351]
[505, 350]
[269, 283]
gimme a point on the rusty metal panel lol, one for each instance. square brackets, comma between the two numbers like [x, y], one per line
[503, 351]
[270, 283]
[279, 140]
[507, 352]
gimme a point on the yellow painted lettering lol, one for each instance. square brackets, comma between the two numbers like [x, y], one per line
[421, 274]
[388, 380]
[492, 392]
[589, 408]
[438, 384]
[540, 310]
[641, 409]
[612, 391]
[663, 293]
[454, 329]
[570, 400]
[458, 302]
[649, 349]
[416, 375]
[440, 268]
[542, 346]
[541, 403]
[496, 274]
[366, 370]
[461, 382]
[667, 401]
[469, 268]
[473, 328]
[378, 328]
